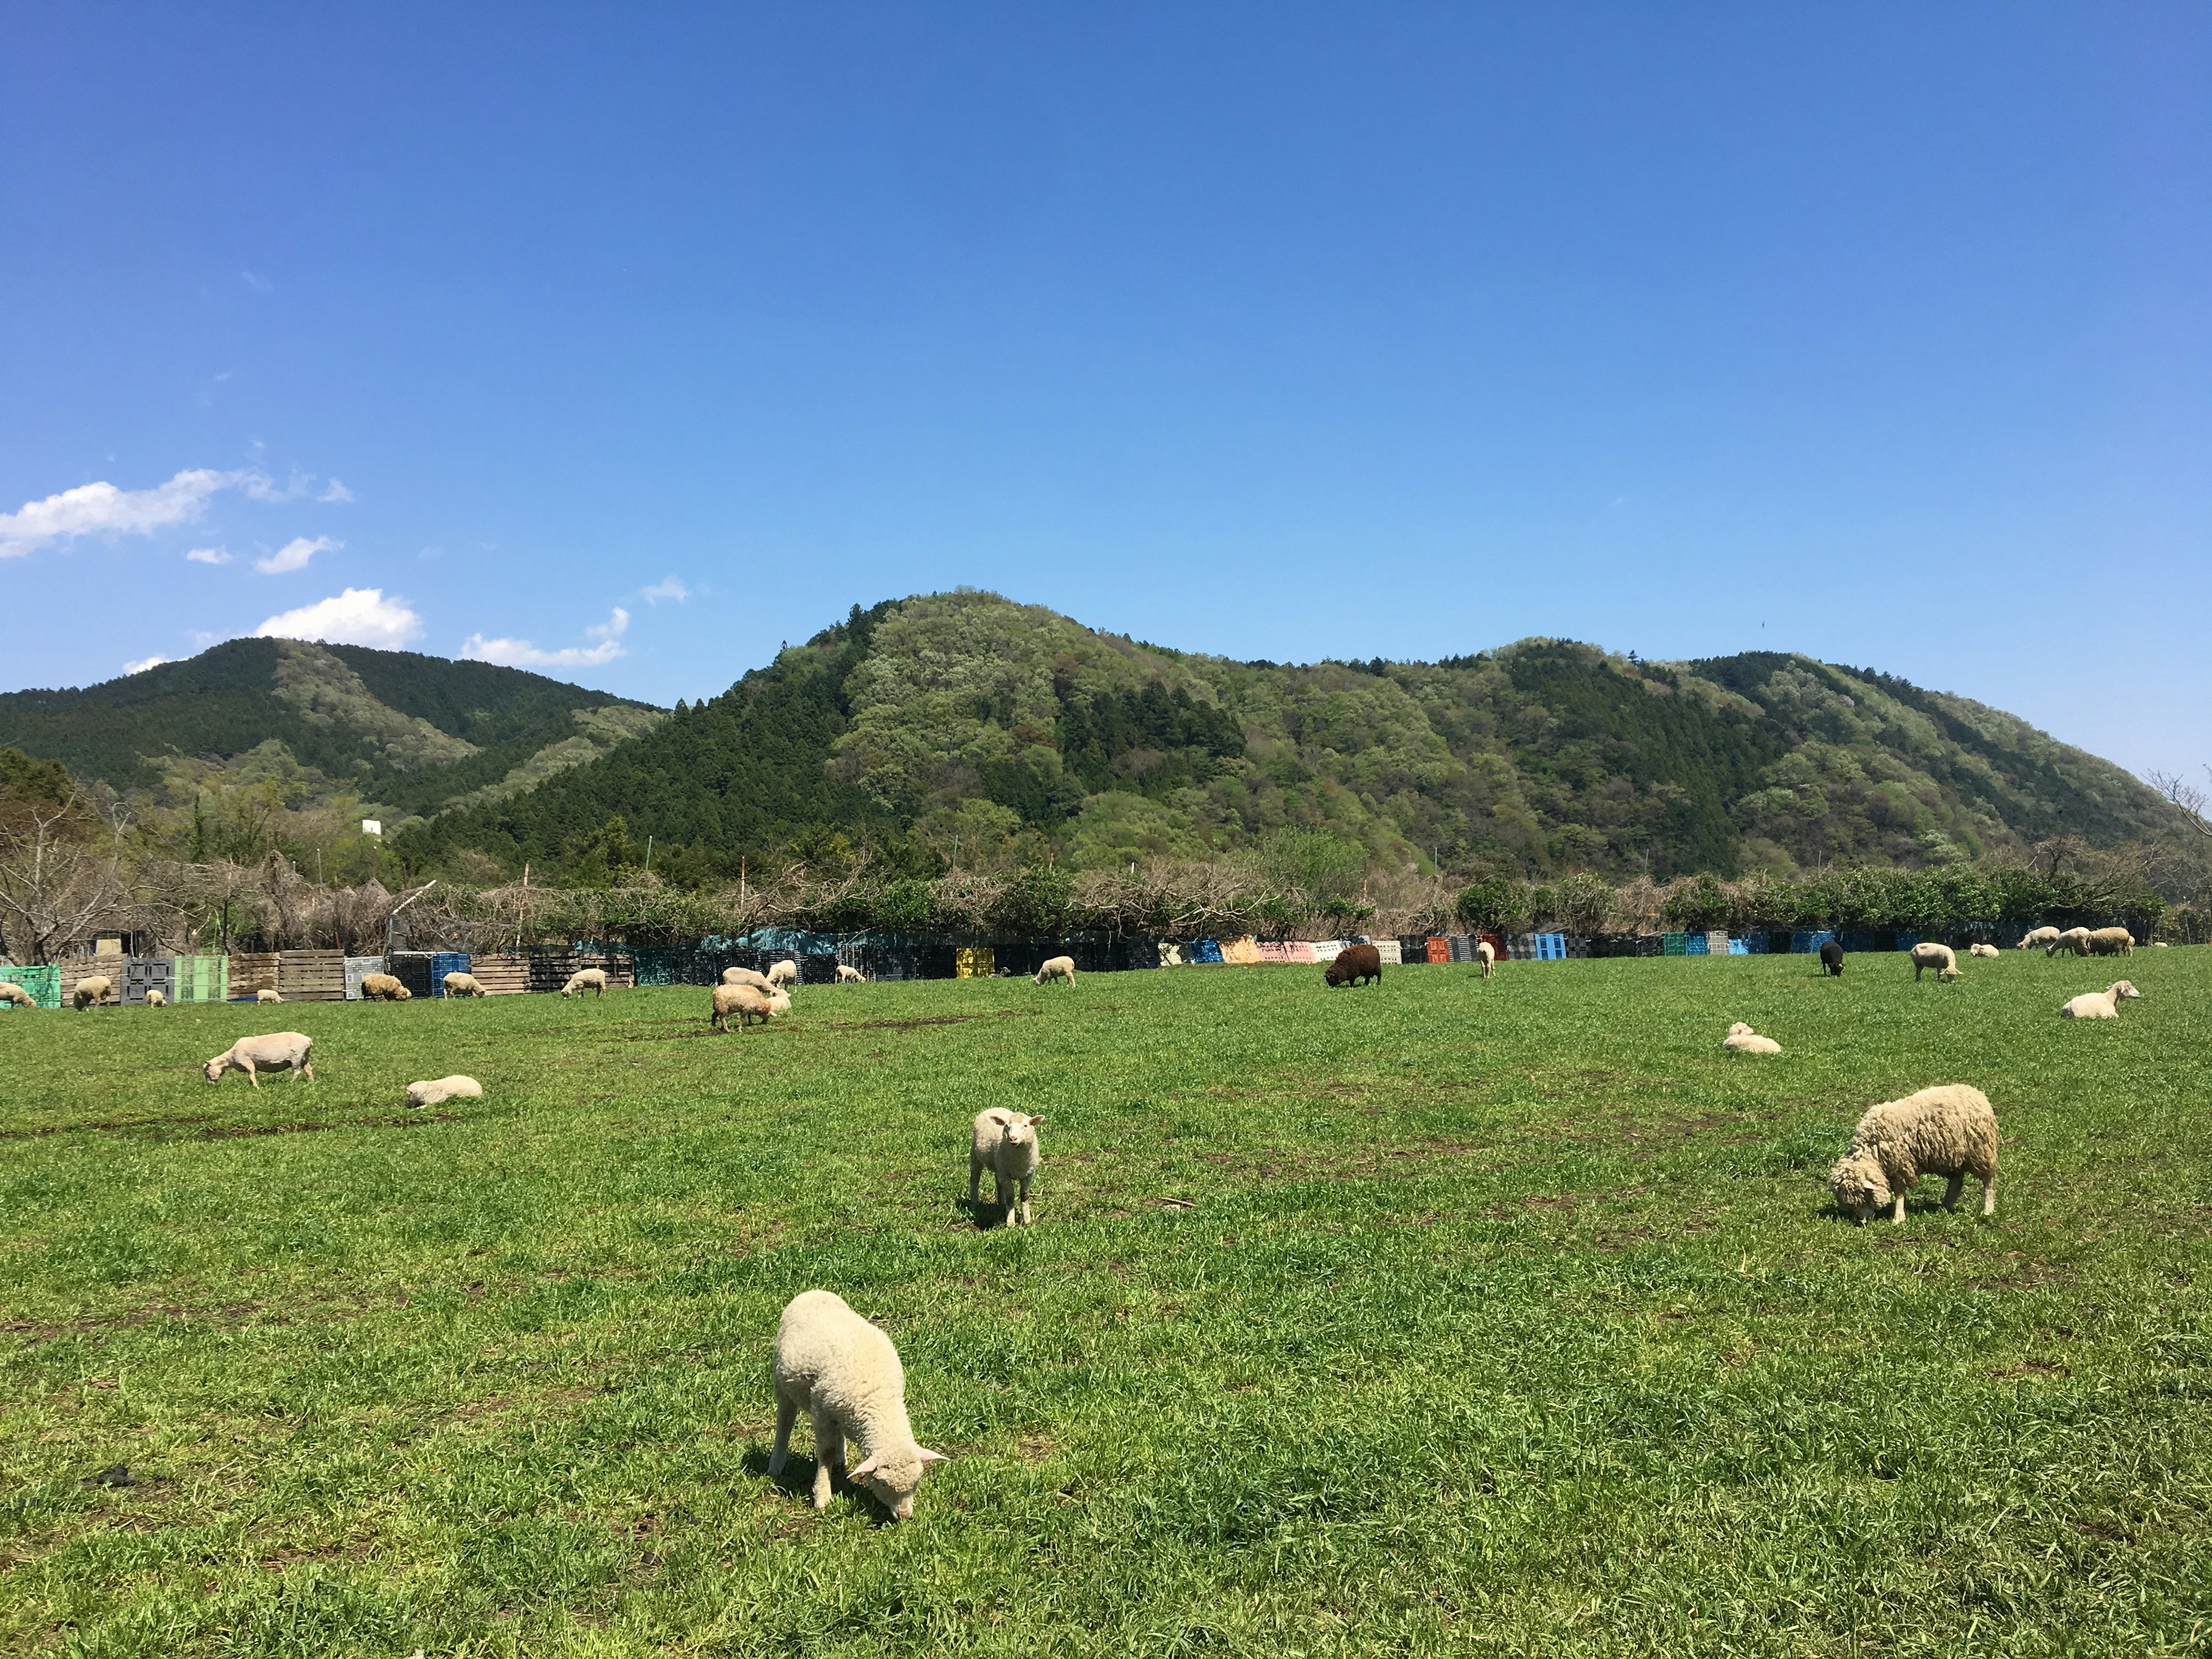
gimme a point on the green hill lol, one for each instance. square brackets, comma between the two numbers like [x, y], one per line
[964, 728]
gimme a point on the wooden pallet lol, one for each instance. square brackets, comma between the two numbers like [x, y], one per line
[79, 968]
[310, 975]
[252, 971]
[501, 977]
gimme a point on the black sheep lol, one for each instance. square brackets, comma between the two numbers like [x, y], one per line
[1832, 958]
[1353, 964]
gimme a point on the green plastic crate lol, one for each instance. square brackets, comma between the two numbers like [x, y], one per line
[45, 985]
[202, 979]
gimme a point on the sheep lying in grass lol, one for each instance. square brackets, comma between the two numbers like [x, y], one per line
[593, 980]
[749, 1003]
[783, 973]
[439, 1091]
[1057, 968]
[155, 998]
[2112, 942]
[2074, 940]
[1005, 1143]
[2036, 938]
[1745, 1041]
[1978, 949]
[1941, 957]
[847, 975]
[845, 1374]
[91, 991]
[383, 987]
[745, 976]
[1487, 954]
[280, 1051]
[2101, 1004]
[463, 985]
[267, 996]
[1949, 1130]
[15, 995]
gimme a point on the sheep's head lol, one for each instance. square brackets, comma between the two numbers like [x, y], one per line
[2119, 990]
[1859, 1186]
[1740, 1029]
[778, 1004]
[1948, 974]
[214, 1069]
[892, 1476]
[1016, 1128]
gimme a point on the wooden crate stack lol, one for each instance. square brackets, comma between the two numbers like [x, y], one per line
[502, 975]
[252, 972]
[81, 967]
[310, 975]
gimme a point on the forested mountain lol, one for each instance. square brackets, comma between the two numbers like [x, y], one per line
[961, 728]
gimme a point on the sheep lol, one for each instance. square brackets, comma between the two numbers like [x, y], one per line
[783, 973]
[2112, 942]
[748, 1002]
[1979, 948]
[15, 994]
[1745, 1041]
[155, 998]
[439, 1091]
[847, 975]
[1057, 968]
[1941, 957]
[463, 985]
[265, 995]
[2036, 937]
[92, 990]
[1006, 1143]
[2100, 1005]
[593, 980]
[279, 1051]
[1832, 958]
[2076, 939]
[1949, 1130]
[1487, 954]
[745, 976]
[845, 1374]
[383, 987]
[1353, 964]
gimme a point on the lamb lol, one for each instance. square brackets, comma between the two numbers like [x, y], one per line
[1057, 968]
[783, 973]
[438, 1091]
[16, 995]
[1485, 953]
[1949, 1130]
[265, 995]
[1351, 965]
[1939, 956]
[593, 980]
[91, 990]
[748, 1002]
[847, 975]
[383, 987]
[1979, 949]
[2101, 1004]
[2076, 939]
[2035, 938]
[744, 977]
[155, 998]
[1006, 1143]
[1832, 958]
[845, 1374]
[463, 985]
[1745, 1041]
[2112, 942]
[280, 1051]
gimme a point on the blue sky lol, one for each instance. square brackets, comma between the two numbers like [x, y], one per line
[635, 340]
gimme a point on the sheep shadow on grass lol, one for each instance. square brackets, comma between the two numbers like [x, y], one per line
[988, 1214]
[797, 1481]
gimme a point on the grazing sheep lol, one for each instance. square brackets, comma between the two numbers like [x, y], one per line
[847, 975]
[845, 1374]
[155, 998]
[2101, 1004]
[783, 973]
[463, 985]
[2074, 940]
[2112, 942]
[1006, 1143]
[383, 987]
[748, 1002]
[1939, 956]
[92, 990]
[280, 1051]
[267, 996]
[1487, 954]
[1978, 949]
[1353, 964]
[1832, 958]
[1949, 1130]
[438, 1091]
[745, 976]
[12, 992]
[1745, 1041]
[1057, 968]
[593, 980]
[2036, 937]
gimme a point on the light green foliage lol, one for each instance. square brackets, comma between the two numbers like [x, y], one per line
[1446, 1316]
[329, 693]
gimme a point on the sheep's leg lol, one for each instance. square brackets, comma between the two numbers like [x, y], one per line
[1900, 1217]
[1002, 1193]
[1956, 1185]
[1026, 1202]
[251, 1076]
[974, 1177]
[1989, 1194]
[828, 1454]
[787, 1413]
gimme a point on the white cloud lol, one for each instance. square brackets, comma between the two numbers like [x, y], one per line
[359, 615]
[336, 492]
[209, 556]
[295, 555]
[101, 509]
[143, 664]
[521, 654]
[667, 588]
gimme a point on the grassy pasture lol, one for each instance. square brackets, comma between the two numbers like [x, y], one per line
[1444, 1316]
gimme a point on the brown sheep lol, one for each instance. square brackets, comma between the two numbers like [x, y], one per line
[383, 987]
[1354, 964]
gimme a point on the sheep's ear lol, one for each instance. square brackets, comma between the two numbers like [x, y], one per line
[868, 1468]
[1036, 1118]
[929, 1457]
[997, 1116]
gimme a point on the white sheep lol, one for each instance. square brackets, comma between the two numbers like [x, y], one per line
[439, 1091]
[458, 984]
[280, 1051]
[92, 990]
[2076, 939]
[750, 976]
[2036, 937]
[849, 975]
[1006, 1143]
[748, 1002]
[783, 973]
[155, 998]
[383, 987]
[1487, 954]
[1949, 1130]
[1057, 968]
[2101, 1004]
[12, 992]
[845, 1374]
[1941, 957]
[1979, 948]
[1745, 1041]
[2112, 942]
[265, 995]
[593, 980]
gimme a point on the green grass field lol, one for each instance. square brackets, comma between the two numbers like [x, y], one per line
[1446, 1316]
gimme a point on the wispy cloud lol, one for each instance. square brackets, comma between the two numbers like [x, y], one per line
[209, 556]
[359, 615]
[667, 588]
[101, 509]
[521, 654]
[295, 555]
[256, 281]
[335, 491]
[143, 664]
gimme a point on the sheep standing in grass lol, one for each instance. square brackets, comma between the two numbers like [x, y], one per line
[1949, 1130]
[845, 1374]
[155, 998]
[748, 1002]
[1487, 954]
[267, 996]
[280, 1051]
[1941, 957]
[2074, 940]
[439, 1091]
[2112, 942]
[1978, 949]
[1832, 958]
[2100, 1005]
[463, 985]
[15, 995]
[783, 973]
[2036, 938]
[750, 976]
[1745, 1041]
[593, 980]
[1005, 1143]
[383, 987]
[849, 975]
[91, 991]
[1057, 968]
[1352, 965]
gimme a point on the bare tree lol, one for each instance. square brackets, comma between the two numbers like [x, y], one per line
[2191, 801]
[61, 874]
